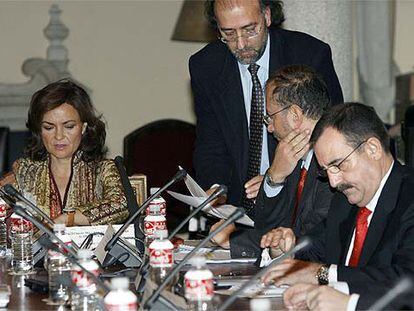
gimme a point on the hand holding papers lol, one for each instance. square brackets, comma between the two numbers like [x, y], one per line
[198, 195]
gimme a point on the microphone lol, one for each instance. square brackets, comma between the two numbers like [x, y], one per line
[47, 243]
[131, 200]
[22, 212]
[402, 286]
[14, 193]
[218, 191]
[233, 217]
[179, 175]
[304, 243]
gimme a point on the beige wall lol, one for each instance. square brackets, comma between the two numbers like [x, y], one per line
[404, 35]
[120, 49]
[123, 52]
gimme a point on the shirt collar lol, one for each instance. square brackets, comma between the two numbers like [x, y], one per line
[373, 203]
[307, 160]
[263, 61]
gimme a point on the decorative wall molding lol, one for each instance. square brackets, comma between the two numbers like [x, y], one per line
[15, 98]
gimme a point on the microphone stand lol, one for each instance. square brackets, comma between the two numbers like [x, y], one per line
[50, 245]
[304, 243]
[403, 285]
[236, 215]
[220, 190]
[179, 175]
[13, 192]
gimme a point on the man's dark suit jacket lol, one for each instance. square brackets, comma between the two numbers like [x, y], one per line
[388, 251]
[278, 211]
[222, 144]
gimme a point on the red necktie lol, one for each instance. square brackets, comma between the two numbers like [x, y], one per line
[361, 230]
[301, 183]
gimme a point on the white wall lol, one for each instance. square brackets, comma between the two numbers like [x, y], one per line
[404, 35]
[123, 52]
[120, 49]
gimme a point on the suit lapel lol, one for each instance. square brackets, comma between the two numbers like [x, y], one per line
[386, 204]
[230, 92]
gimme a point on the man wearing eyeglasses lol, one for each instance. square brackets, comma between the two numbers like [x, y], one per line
[292, 195]
[368, 235]
[228, 77]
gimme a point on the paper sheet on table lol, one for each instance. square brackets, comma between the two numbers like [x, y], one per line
[256, 290]
[212, 254]
[222, 211]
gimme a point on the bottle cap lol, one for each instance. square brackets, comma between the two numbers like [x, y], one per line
[59, 227]
[119, 283]
[153, 190]
[198, 261]
[85, 254]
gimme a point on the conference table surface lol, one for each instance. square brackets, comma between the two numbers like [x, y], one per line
[24, 299]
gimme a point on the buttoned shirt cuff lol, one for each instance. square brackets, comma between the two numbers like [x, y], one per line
[340, 286]
[333, 274]
[271, 192]
[352, 303]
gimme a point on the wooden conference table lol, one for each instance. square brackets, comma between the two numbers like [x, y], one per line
[24, 299]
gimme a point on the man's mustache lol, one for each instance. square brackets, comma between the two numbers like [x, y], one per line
[343, 187]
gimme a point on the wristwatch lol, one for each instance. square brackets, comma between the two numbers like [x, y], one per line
[322, 275]
[269, 181]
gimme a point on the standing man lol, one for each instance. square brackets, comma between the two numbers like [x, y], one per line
[228, 77]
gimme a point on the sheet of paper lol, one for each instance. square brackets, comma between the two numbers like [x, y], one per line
[256, 290]
[78, 234]
[221, 212]
[212, 254]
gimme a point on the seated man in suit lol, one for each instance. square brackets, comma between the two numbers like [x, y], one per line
[292, 194]
[368, 235]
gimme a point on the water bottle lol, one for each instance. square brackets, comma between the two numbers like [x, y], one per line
[153, 222]
[85, 296]
[3, 228]
[59, 270]
[60, 231]
[157, 204]
[120, 298]
[21, 234]
[161, 258]
[198, 284]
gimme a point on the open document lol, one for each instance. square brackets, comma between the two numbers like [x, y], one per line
[198, 195]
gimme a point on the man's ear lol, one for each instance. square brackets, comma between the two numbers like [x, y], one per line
[374, 148]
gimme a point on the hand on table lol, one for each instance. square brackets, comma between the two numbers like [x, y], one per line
[279, 240]
[222, 238]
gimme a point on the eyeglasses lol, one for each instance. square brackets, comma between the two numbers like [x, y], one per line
[247, 33]
[268, 118]
[336, 168]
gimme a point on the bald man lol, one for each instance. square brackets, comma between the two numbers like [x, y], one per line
[228, 77]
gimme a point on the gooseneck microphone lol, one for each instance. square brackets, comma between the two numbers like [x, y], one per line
[14, 193]
[218, 191]
[178, 176]
[131, 199]
[233, 217]
[47, 243]
[403, 285]
[305, 242]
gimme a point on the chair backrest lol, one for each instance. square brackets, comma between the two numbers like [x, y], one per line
[156, 150]
[4, 149]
